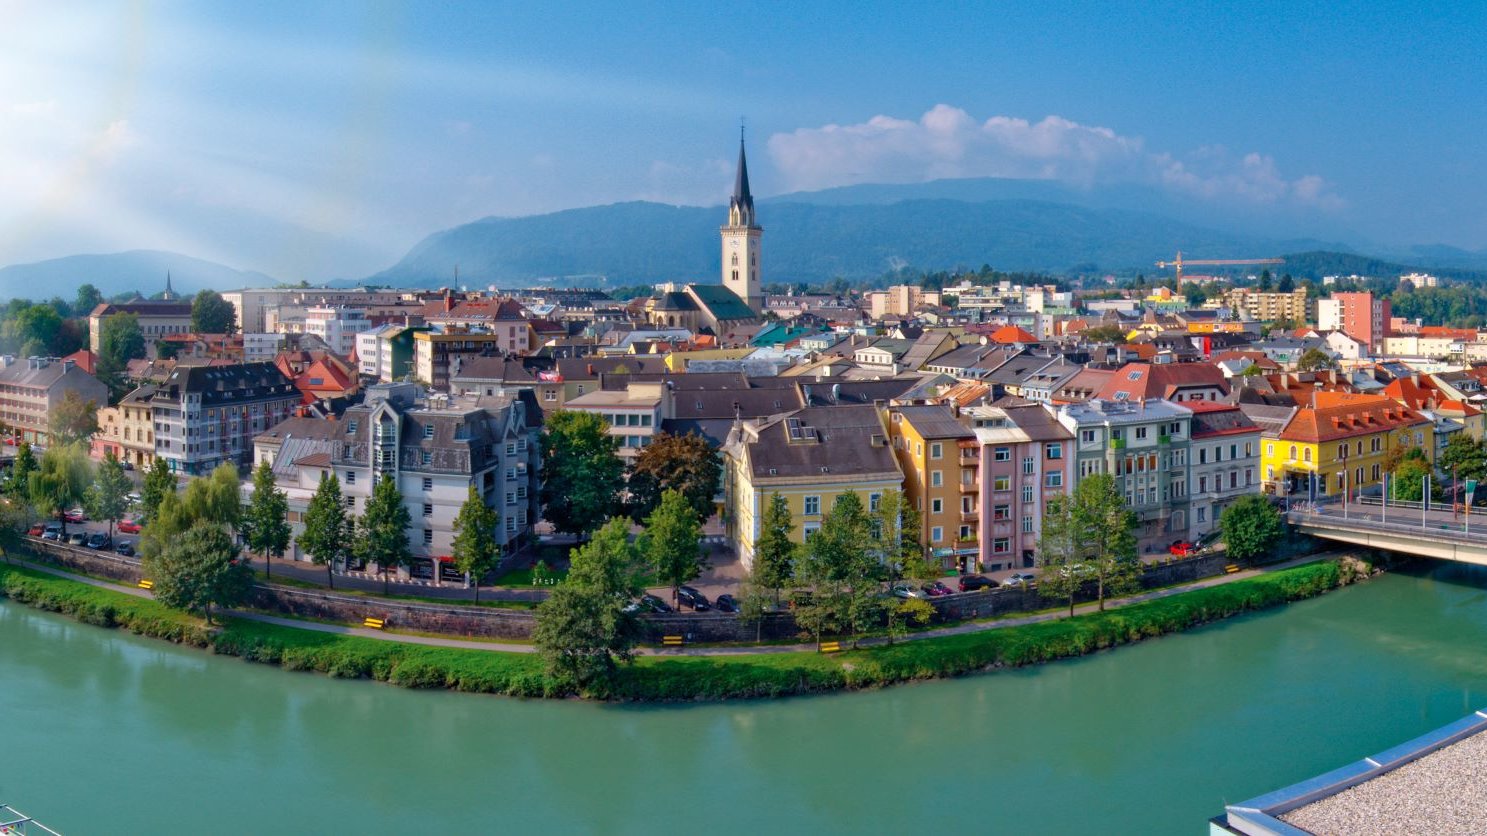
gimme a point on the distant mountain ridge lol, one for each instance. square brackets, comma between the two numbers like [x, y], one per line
[812, 242]
[114, 273]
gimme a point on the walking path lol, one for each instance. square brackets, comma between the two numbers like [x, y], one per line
[954, 630]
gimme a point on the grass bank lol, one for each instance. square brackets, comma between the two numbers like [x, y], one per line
[679, 678]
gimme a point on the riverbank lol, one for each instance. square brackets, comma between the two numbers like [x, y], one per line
[678, 678]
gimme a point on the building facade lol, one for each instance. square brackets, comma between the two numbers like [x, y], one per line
[1225, 462]
[1026, 460]
[31, 388]
[205, 416]
[938, 456]
[742, 239]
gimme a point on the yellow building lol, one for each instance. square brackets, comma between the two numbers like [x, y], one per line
[808, 457]
[1271, 306]
[1340, 443]
[940, 458]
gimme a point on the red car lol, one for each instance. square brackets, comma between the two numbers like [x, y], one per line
[76, 515]
[1183, 548]
[35, 530]
[129, 526]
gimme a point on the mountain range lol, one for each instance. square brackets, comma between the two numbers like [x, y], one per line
[855, 232]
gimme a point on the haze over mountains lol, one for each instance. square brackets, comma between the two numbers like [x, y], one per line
[857, 232]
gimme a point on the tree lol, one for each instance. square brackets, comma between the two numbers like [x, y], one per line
[583, 629]
[906, 613]
[159, 482]
[898, 526]
[1408, 476]
[774, 553]
[686, 463]
[73, 420]
[88, 298]
[1105, 532]
[1286, 284]
[199, 570]
[211, 314]
[1104, 334]
[476, 551]
[36, 329]
[1314, 359]
[843, 570]
[1059, 553]
[265, 523]
[21, 470]
[328, 533]
[382, 531]
[1251, 527]
[582, 475]
[218, 498]
[119, 341]
[60, 481]
[15, 519]
[108, 497]
[671, 542]
[1464, 457]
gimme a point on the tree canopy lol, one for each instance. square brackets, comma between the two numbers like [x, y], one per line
[1251, 527]
[583, 629]
[476, 551]
[265, 522]
[73, 420]
[582, 475]
[328, 533]
[211, 314]
[774, 551]
[199, 570]
[671, 542]
[685, 463]
[382, 531]
[60, 481]
[108, 497]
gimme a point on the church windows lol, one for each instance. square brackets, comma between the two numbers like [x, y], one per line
[735, 275]
[735, 259]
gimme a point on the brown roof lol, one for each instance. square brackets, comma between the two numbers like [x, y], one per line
[934, 421]
[1161, 380]
[1344, 415]
[826, 442]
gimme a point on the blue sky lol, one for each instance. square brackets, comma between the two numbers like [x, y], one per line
[325, 142]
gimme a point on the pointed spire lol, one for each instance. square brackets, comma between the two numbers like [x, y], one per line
[741, 205]
[169, 295]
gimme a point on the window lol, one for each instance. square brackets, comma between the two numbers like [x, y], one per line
[1117, 433]
[1202, 484]
[1001, 512]
[428, 457]
[810, 528]
[428, 536]
[549, 395]
[428, 431]
[428, 509]
[1027, 525]
[1029, 465]
[351, 502]
[1027, 493]
[873, 501]
[1054, 479]
[428, 483]
[936, 506]
[936, 450]
[1202, 513]
[1307, 453]
[936, 478]
[1140, 433]
[1002, 483]
[350, 477]
[1002, 454]
[1053, 451]
[1270, 449]
[1001, 545]
[1087, 436]
[1202, 455]
[937, 535]
[812, 506]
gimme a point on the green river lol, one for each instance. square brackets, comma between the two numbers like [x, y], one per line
[102, 732]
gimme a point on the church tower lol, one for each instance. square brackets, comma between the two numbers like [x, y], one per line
[741, 240]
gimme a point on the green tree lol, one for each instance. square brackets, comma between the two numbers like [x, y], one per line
[88, 298]
[328, 533]
[1104, 334]
[217, 498]
[265, 522]
[910, 612]
[476, 551]
[1465, 457]
[582, 474]
[899, 528]
[1251, 527]
[159, 482]
[1286, 284]
[211, 314]
[21, 470]
[1315, 359]
[35, 330]
[108, 497]
[583, 630]
[1408, 475]
[382, 531]
[844, 571]
[73, 420]
[60, 481]
[199, 570]
[774, 553]
[119, 341]
[15, 518]
[1060, 553]
[1106, 532]
[671, 542]
[685, 463]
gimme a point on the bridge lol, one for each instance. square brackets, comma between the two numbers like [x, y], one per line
[1437, 530]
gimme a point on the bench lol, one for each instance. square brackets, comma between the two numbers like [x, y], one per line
[146, 584]
[1231, 568]
[374, 623]
[671, 641]
[831, 647]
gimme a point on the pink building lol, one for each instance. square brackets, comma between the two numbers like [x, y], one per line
[1026, 459]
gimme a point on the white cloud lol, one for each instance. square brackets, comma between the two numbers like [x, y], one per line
[946, 142]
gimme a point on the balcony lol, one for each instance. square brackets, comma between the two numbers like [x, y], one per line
[1117, 444]
[969, 516]
[970, 487]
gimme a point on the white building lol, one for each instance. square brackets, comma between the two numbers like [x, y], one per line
[337, 325]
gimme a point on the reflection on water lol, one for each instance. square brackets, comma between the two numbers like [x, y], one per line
[1152, 738]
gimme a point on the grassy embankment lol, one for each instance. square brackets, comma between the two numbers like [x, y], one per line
[675, 678]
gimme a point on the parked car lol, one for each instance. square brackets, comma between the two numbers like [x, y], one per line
[1019, 579]
[654, 604]
[76, 515]
[133, 497]
[1182, 548]
[938, 588]
[125, 548]
[36, 530]
[77, 538]
[53, 531]
[692, 598]
[129, 526]
[971, 583]
[726, 603]
[99, 540]
[903, 590]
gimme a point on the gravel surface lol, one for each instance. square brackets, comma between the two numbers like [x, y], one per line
[1441, 794]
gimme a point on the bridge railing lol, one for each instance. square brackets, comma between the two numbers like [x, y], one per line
[1436, 529]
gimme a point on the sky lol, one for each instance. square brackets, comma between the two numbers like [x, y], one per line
[318, 141]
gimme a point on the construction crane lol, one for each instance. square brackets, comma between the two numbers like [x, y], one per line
[1181, 262]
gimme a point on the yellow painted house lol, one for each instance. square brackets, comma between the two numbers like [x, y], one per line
[808, 456]
[1340, 443]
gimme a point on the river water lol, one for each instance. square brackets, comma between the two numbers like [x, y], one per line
[103, 732]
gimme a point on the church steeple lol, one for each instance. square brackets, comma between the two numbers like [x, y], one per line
[741, 205]
[169, 295]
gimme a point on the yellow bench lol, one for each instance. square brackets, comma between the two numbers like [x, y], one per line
[671, 641]
[374, 623]
[146, 584]
[831, 647]
[1231, 568]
